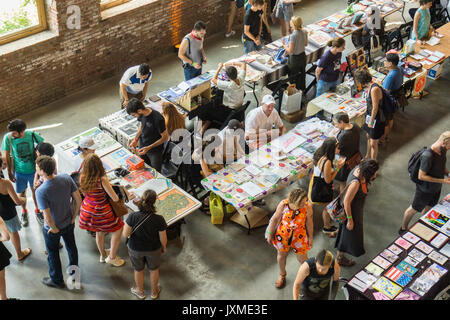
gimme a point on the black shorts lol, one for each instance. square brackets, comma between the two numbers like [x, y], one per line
[423, 199]
[389, 116]
[376, 132]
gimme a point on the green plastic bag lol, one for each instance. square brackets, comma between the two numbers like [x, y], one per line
[216, 208]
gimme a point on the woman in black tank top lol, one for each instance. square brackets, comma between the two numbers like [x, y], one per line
[314, 278]
[4, 259]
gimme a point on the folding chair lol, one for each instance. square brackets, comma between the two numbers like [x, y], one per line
[238, 114]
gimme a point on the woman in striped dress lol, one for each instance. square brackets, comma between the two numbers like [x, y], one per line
[96, 214]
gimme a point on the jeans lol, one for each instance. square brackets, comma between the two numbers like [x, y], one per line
[323, 86]
[190, 72]
[154, 158]
[52, 246]
[250, 46]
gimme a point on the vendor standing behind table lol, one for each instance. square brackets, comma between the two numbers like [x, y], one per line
[251, 38]
[134, 83]
[191, 51]
[151, 134]
[284, 10]
[233, 93]
[422, 29]
[392, 84]
[298, 40]
[328, 68]
[263, 124]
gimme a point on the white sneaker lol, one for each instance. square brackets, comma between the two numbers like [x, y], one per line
[116, 262]
[137, 293]
[229, 34]
[102, 258]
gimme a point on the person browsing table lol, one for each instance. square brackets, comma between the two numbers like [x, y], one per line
[151, 134]
[251, 38]
[298, 40]
[134, 83]
[328, 68]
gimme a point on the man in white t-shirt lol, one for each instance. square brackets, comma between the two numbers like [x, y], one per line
[233, 93]
[134, 83]
[262, 124]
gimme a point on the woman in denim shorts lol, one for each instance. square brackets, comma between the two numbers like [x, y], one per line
[145, 232]
[8, 201]
[284, 10]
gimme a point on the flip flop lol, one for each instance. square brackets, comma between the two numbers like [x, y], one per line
[26, 255]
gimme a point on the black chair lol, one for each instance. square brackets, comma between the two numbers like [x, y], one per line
[173, 168]
[393, 40]
[238, 114]
[405, 30]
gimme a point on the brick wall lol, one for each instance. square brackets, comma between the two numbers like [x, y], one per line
[46, 71]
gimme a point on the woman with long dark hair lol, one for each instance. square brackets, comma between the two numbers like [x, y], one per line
[96, 214]
[147, 240]
[350, 237]
[321, 184]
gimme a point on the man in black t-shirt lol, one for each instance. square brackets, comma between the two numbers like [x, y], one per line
[151, 135]
[253, 26]
[432, 173]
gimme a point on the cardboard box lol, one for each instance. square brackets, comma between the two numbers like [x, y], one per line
[435, 72]
[293, 117]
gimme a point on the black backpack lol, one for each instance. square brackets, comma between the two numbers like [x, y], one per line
[414, 165]
[390, 104]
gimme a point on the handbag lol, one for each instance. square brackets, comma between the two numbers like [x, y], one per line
[321, 191]
[354, 160]
[118, 207]
[335, 208]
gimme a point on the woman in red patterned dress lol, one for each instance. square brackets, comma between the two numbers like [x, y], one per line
[291, 227]
[96, 214]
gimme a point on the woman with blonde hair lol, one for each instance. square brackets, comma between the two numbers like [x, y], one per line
[174, 119]
[314, 277]
[291, 227]
[298, 40]
[96, 214]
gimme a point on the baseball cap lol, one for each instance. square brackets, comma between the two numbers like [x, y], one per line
[87, 143]
[234, 124]
[268, 99]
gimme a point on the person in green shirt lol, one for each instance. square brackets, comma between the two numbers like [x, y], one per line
[18, 147]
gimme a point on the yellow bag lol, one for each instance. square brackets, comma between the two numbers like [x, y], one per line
[230, 209]
[216, 208]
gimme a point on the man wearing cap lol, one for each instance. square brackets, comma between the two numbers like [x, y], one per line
[231, 147]
[134, 83]
[262, 124]
[86, 145]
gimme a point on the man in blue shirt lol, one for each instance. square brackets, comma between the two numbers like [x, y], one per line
[59, 199]
[392, 83]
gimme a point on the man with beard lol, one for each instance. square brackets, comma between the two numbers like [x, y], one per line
[151, 135]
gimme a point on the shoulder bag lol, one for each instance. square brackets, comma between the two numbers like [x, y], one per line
[354, 160]
[335, 208]
[321, 191]
[140, 223]
[118, 207]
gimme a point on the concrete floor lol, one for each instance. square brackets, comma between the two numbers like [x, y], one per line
[223, 262]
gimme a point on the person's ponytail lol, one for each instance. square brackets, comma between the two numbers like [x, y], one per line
[147, 203]
[337, 43]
